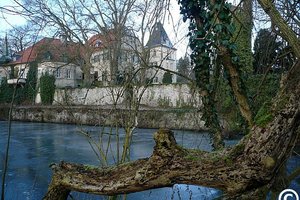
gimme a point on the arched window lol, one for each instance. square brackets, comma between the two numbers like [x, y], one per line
[48, 56]
[98, 43]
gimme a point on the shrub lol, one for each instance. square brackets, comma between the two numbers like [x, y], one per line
[167, 78]
[260, 100]
[30, 86]
[47, 87]
[6, 92]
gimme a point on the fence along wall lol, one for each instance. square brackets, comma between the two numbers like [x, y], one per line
[175, 95]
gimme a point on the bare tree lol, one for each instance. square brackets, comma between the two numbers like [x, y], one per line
[21, 37]
[290, 12]
[248, 170]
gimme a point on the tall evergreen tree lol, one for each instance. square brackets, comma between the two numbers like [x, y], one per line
[184, 68]
[265, 50]
[30, 86]
[47, 87]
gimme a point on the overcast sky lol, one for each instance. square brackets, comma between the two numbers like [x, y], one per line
[9, 21]
[174, 26]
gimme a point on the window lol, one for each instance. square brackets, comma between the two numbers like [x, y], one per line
[133, 59]
[154, 52]
[58, 73]
[47, 56]
[124, 56]
[104, 76]
[96, 75]
[105, 56]
[153, 64]
[98, 43]
[68, 73]
[64, 57]
[96, 58]
[92, 59]
[22, 73]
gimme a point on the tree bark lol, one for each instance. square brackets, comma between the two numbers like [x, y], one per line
[235, 83]
[246, 171]
[249, 168]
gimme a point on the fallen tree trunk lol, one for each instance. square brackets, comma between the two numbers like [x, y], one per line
[248, 169]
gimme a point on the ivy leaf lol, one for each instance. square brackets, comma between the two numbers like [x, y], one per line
[218, 28]
[232, 47]
[235, 59]
[225, 43]
[217, 6]
[230, 28]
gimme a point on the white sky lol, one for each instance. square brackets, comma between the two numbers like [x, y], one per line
[173, 25]
[9, 21]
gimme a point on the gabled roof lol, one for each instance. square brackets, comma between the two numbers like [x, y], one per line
[48, 46]
[159, 37]
[101, 41]
[110, 38]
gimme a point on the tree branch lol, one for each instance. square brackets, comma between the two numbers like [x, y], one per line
[248, 167]
[286, 32]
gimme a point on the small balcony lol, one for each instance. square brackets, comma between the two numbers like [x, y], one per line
[18, 81]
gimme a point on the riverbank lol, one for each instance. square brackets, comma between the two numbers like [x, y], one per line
[148, 117]
[34, 146]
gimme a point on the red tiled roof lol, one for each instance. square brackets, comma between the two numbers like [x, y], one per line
[105, 40]
[27, 55]
[108, 38]
[55, 47]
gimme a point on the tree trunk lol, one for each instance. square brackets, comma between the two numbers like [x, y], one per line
[235, 83]
[87, 70]
[247, 169]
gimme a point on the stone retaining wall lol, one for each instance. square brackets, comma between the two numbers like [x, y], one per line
[88, 115]
[173, 95]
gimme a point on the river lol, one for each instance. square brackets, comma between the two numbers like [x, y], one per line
[34, 146]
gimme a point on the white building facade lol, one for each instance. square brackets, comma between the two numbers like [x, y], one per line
[113, 56]
[162, 55]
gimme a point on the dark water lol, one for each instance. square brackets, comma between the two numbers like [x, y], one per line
[36, 145]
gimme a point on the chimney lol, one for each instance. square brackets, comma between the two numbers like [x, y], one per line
[63, 38]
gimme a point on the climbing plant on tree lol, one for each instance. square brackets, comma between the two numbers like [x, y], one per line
[211, 30]
[242, 36]
[248, 170]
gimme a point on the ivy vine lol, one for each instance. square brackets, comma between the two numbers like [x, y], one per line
[211, 29]
[211, 26]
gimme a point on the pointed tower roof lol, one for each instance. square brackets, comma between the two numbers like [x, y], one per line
[159, 37]
[5, 58]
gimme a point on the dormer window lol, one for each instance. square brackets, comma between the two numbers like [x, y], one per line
[98, 43]
[48, 56]
[64, 57]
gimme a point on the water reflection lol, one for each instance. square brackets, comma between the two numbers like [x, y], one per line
[34, 146]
